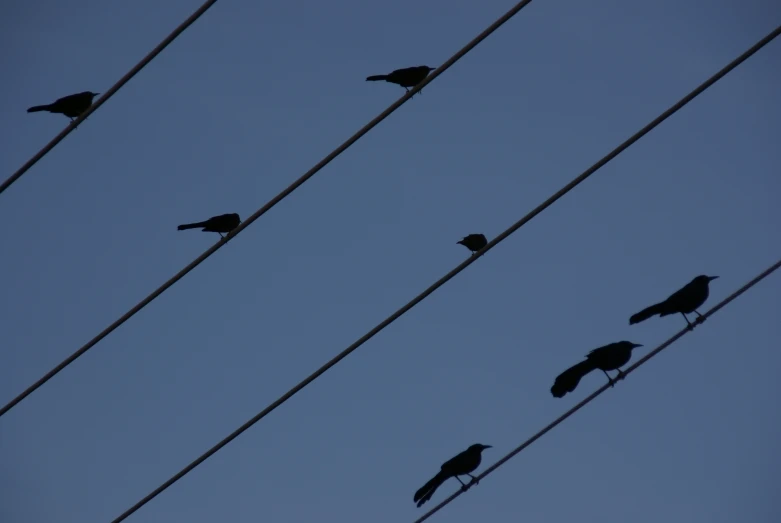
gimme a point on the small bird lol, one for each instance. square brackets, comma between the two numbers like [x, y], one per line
[473, 242]
[71, 106]
[223, 223]
[609, 357]
[461, 465]
[684, 301]
[409, 77]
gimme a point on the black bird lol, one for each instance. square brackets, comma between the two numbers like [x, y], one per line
[461, 465]
[684, 301]
[609, 357]
[71, 106]
[473, 242]
[409, 77]
[223, 223]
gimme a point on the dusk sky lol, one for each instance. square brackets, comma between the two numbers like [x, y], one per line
[253, 95]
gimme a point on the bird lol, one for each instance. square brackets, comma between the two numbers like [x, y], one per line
[408, 77]
[473, 242]
[71, 106]
[610, 357]
[223, 223]
[684, 301]
[460, 465]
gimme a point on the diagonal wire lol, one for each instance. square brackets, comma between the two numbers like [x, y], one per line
[292, 187]
[604, 387]
[289, 394]
[116, 87]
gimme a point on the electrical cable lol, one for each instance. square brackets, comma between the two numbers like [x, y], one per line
[236, 433]
[311, 172]
[116, 87]
[603, 388]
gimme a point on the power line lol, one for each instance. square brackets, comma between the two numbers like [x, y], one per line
[292, 187]
[604, 387]
[116, 87]
[366, 337]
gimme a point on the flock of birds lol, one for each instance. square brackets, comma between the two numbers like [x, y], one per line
[607, 358]
[74, 105]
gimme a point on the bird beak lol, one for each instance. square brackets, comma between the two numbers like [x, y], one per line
[637, 345]
[486, 446]
[711, 278]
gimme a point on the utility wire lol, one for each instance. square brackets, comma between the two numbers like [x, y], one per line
[311, 172]
[116, 87]
[604, 387]
[289, 394]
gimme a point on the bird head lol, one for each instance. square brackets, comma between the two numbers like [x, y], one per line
[93, 95]
[479, 447]
[427, 68]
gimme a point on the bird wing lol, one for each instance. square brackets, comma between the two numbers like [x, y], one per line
[682, 293]
[600, 352]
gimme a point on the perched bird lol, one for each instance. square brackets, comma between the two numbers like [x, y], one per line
[473, 242]
[461, 465]
[223, 223]
[609, 357]
[71, 106]
[409, 77]
[684, 301]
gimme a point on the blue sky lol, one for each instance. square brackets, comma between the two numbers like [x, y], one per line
[252, 96]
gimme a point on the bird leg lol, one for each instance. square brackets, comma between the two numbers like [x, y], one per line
[700, 318]
[474, 481]
[690, 326]
[620, 375]
[464, 487]
[221, 236]
[609, 379]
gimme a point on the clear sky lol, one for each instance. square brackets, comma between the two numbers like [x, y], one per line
[253, 95]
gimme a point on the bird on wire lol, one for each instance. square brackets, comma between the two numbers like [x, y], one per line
[473, 242]
[408, 77]
[609, 357]
[684, 301]
[223, 223]
[462, 464]
[71, 106]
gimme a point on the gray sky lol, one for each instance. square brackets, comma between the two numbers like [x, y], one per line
[253, 95]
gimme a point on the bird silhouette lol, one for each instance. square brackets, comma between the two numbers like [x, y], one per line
[684, 301]
[610, 357]
[71, 106]
[408, 77]
[223, 223]
[462, 464]
[473, 242]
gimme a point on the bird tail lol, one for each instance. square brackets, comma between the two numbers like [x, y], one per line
[37, 108]
[191, 226]
[425, 492]
[569, 379]
[647, 313]
[377, 77]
